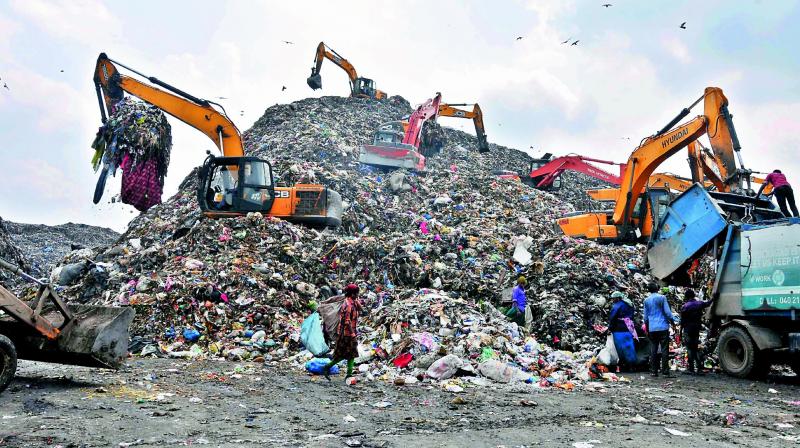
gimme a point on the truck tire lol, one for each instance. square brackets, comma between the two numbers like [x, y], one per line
[8, 362]
[739, 356]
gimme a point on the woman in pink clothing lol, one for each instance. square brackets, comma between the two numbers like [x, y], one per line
[783, 192]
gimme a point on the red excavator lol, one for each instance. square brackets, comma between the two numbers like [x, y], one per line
[396, 145]
[545, 171]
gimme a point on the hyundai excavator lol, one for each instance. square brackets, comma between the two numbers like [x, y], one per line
[397, 144]
[545, 172]
[679, 184]
[452, 110]
[359, 87]
[638, 208]
[230, 185]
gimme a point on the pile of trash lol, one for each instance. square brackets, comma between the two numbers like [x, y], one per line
[573, 190]
[138, 139]
[241, 287]
[43, 247]
[428, 334]
[11, 253]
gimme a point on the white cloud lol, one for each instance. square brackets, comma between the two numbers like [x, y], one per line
[85, 21]
[677, 49]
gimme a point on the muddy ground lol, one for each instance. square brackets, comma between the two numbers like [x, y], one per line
[159, 402]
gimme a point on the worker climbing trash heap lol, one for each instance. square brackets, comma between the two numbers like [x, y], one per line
[137, 139]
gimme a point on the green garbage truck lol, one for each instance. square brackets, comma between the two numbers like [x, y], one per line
[755, 253]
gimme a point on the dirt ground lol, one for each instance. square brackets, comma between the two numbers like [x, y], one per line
[161, 402]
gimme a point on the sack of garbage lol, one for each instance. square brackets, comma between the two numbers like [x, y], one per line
[608, 355]
[329, 312]
[311, 335]
[445, 367]
[500, 371]
[317, 366]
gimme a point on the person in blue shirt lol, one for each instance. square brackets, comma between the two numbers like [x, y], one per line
[518, 302]
[620, 324]
[657, 319]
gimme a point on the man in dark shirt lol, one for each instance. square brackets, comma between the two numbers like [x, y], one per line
[691, 323]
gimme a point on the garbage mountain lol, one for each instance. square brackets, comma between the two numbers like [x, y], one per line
[241, 287]
[9, 251]
[44, 246]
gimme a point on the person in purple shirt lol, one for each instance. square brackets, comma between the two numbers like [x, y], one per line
[783, 192]
[518, 302]
[691, 323]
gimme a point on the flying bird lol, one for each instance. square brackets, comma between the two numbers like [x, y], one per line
[287, 42]
[221, 98]
[576, 42]
[566, 41]
[6, 86]
[519, 37]
[683, 25]
[283, 88]
[607, 5]
[62, 70]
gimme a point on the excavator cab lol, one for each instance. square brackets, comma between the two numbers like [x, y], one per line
[235, 185]
[365, 88]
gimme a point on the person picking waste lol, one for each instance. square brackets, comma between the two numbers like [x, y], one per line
[346, 347]
[658, 318]
[517, 311]
[620, 323]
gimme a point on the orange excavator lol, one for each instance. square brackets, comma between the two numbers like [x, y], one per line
[476, 115]
[679, 184]
[230, 185]
[360, 87]
[397, 144]
[668, 181]
[638, 208]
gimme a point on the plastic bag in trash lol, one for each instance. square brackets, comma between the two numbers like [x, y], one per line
[311, 335]
[500, 371]
[444, 367]
[317, 365]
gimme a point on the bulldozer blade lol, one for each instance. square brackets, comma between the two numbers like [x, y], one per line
[96, 337]
[314, 81]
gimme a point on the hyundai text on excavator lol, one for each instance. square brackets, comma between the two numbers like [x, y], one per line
[360, 87]
[476, 115]
[233, 184]
[637, 209]
[396, 144]
[545, 172]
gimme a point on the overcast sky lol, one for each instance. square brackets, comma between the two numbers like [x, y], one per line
[632, 71]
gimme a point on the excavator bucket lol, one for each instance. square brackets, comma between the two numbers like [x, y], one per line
[314, 81]
[96, 336]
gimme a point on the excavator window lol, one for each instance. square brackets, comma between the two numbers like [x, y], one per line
[257, 188]
[222, 187]
[238, 184]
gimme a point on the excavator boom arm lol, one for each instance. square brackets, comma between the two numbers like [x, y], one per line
[424, 112]
[193, 111]
[323, 52]
[476, 115]
[549, 171]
